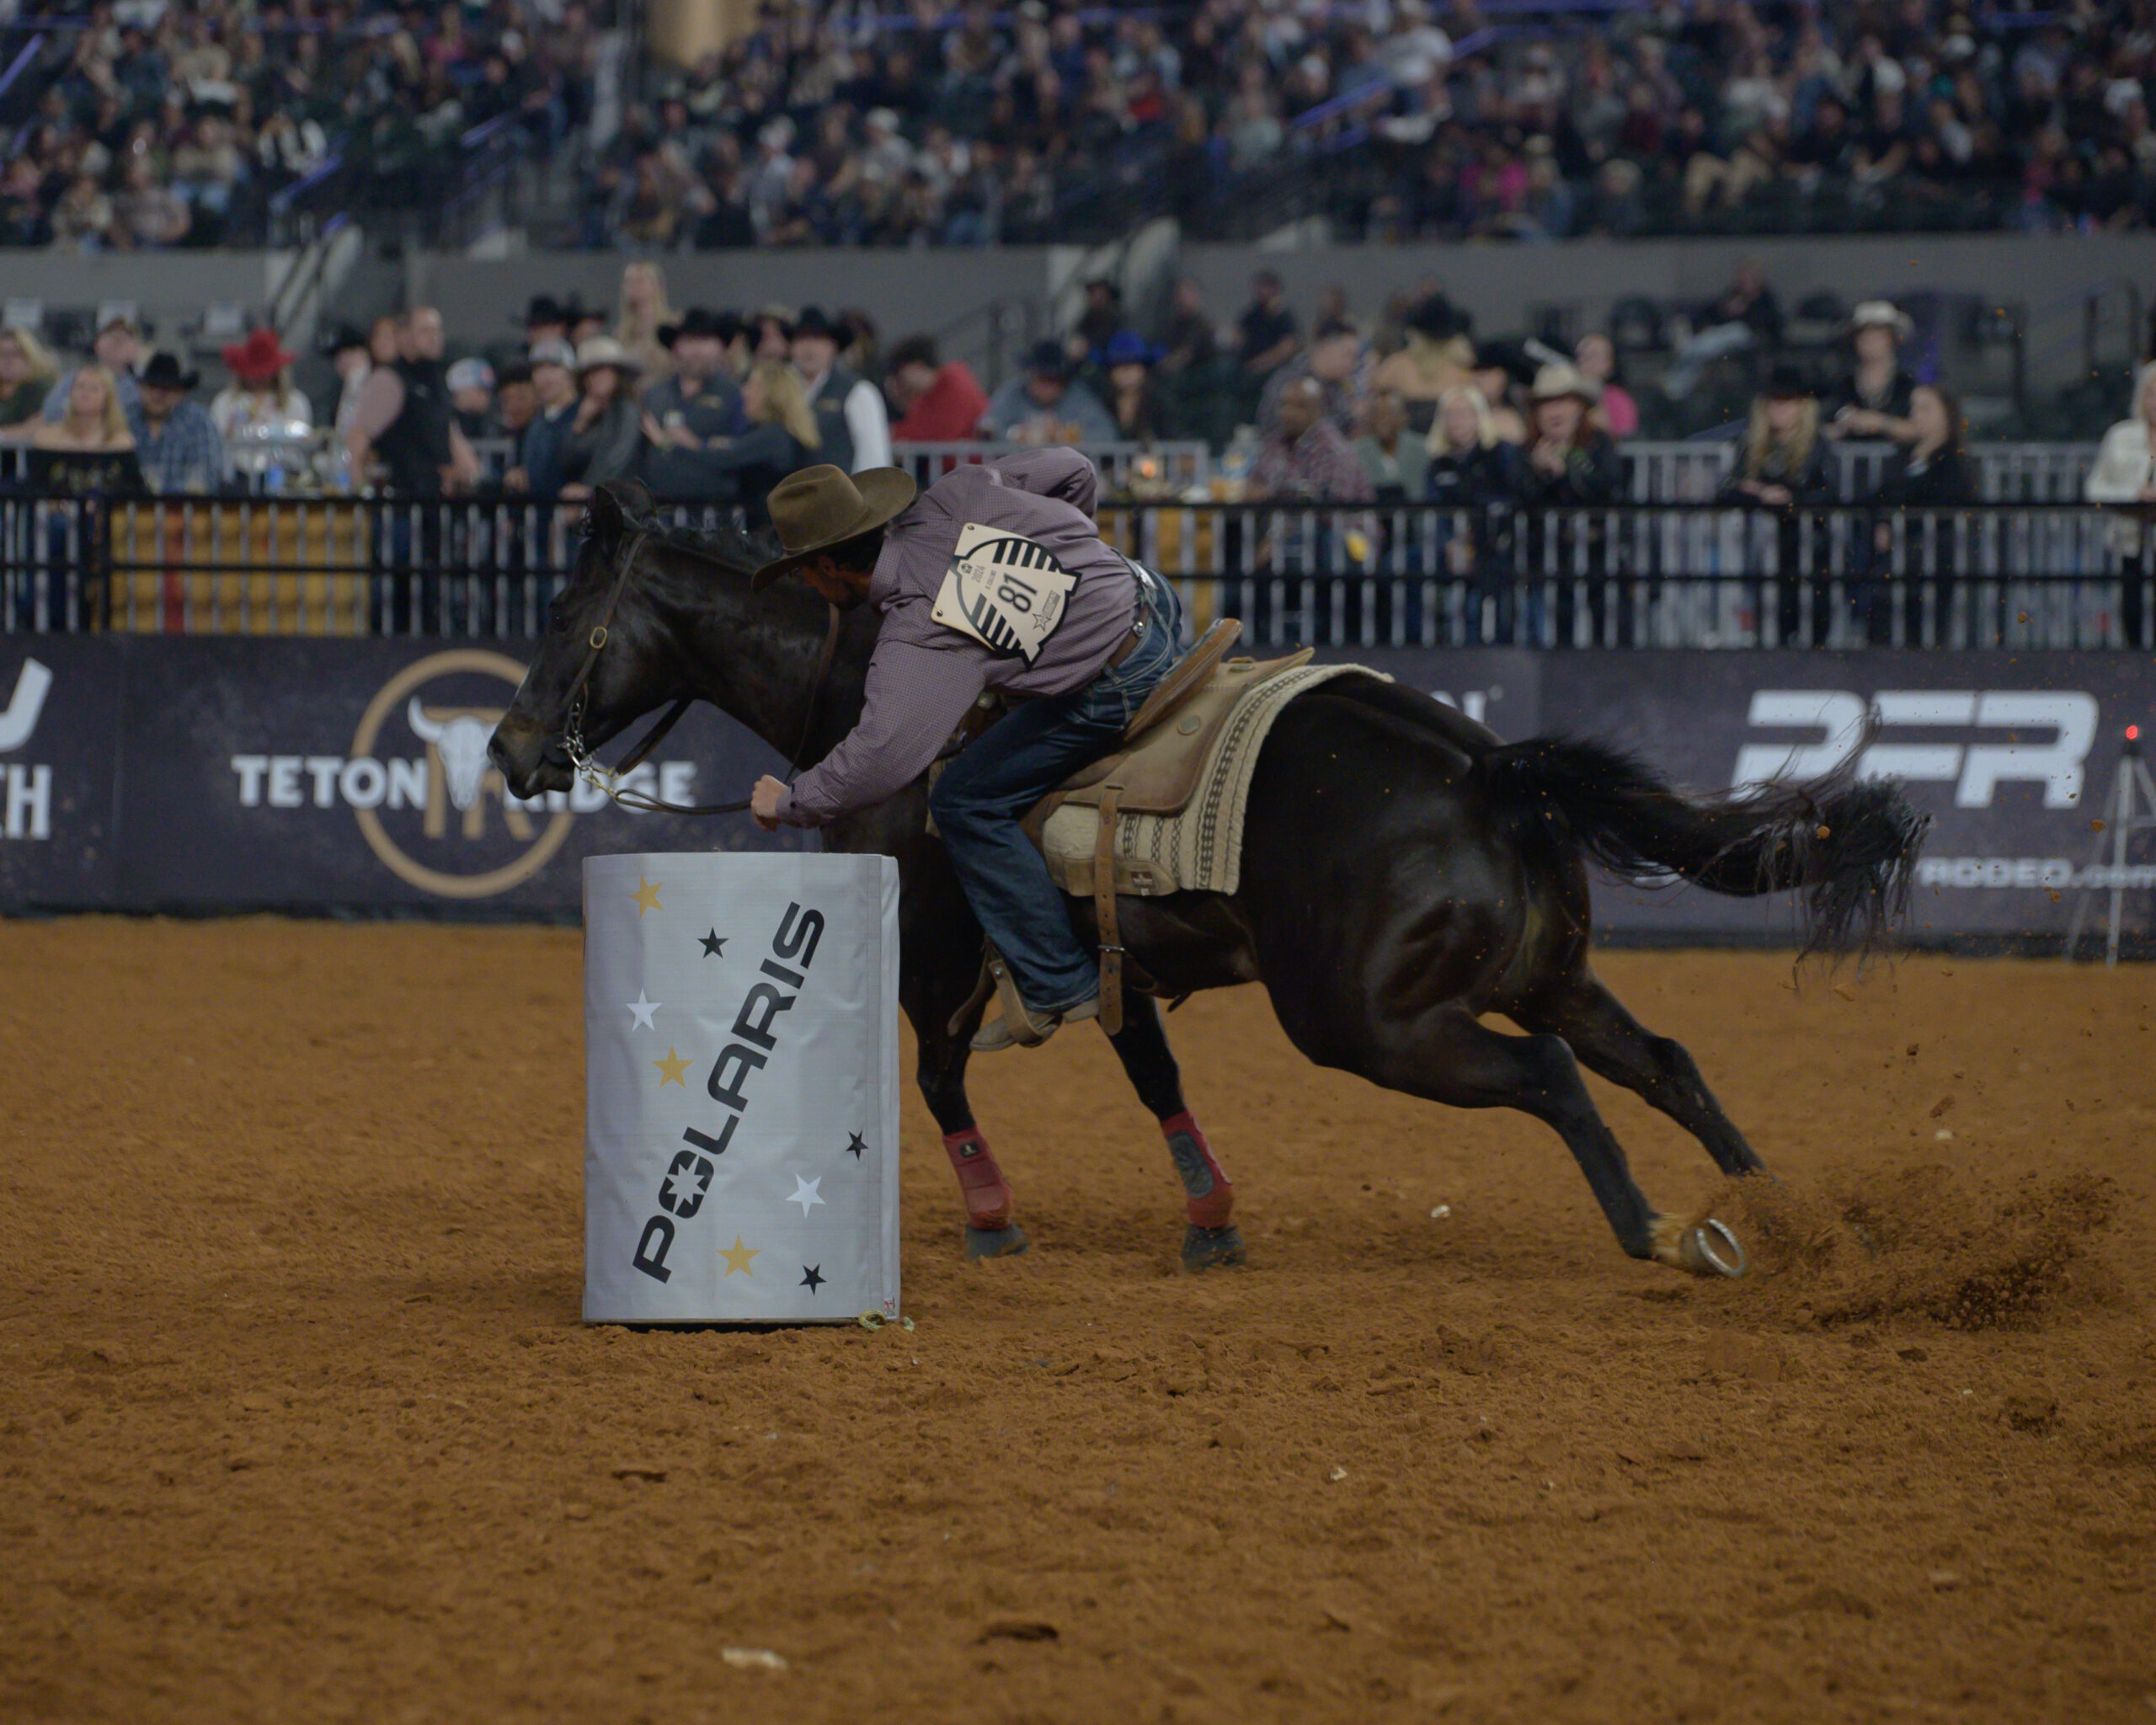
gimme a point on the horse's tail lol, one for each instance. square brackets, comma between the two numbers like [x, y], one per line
[1850, 845]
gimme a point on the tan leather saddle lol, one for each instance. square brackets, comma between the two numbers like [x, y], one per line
[1156, 771]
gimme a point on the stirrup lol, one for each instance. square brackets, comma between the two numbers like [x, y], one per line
[1019, 1026]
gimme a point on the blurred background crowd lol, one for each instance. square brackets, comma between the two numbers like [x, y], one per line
[144, 124]
[1407, 404]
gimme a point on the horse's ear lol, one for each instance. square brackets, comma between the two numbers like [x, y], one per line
[615, 509]
[632, 497]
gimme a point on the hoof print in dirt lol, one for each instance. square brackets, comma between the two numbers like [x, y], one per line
[994, 1243]
[1211, 1248]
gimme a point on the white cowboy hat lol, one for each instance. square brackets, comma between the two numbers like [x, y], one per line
[604, 350]
[1882, 314]
[1561, 379]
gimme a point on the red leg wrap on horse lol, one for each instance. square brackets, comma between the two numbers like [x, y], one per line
[987, 1193]
[1211, 1196]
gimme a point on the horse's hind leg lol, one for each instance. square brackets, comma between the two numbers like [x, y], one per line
[1449, 1056]
[1211, 1240]
[1611, 1042]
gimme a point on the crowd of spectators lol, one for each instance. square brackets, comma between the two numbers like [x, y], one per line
[715, 407]
[156, 126]
[848, 125]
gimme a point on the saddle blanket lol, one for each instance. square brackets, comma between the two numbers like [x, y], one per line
[1199, 849]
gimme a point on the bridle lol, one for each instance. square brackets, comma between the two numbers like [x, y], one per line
[610, 779]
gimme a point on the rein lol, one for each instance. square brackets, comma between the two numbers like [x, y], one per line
[609, 779]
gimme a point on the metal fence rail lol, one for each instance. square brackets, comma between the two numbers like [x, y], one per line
[1636, 574]
[1689, 472]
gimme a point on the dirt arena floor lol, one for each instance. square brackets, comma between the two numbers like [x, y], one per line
[297, 1421]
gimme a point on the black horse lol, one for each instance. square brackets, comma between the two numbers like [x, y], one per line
[1404, 873]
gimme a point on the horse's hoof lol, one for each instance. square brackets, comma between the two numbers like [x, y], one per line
[1210, 1248]
[1007, 1242]
[1709, 1249]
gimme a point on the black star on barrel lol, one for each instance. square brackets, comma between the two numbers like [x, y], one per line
[854, 1145]
[812, 1276]
[714, 945]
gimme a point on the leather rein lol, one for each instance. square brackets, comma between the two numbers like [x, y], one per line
[610, 779]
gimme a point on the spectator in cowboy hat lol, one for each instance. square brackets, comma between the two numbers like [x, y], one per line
[1043, 404]
[603, 436]
[544, 319]
[1873, 399]
[1438, 356]
[260, 394]
[586, 322]
[1570, 460]
[849, 409]
[177, 442]
[935, 402]
[119, 348]
[1781, 456]
[681, 415]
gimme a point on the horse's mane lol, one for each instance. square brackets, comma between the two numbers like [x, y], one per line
[728, 543]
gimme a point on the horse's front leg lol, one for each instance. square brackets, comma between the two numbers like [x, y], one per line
[931, 1003]
[1211, 1240]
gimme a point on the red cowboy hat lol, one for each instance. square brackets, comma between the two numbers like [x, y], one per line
[261, 355]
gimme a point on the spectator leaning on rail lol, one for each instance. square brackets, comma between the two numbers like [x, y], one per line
[1396, 462]
[179, 445]
[605, 433]
[2126, 465]
[539, 451]
[405, 420]
[260, 400]
[849, 409]
[685, 415]
[783, 435]
[1044, 404]
[935, 402]
[471, 398]
[26, 372]
[119, 348]
[1873, 400]
[1088, 665]
[1781, 457]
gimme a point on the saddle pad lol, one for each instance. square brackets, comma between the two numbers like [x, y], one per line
[1160, 772]
[1200, 849]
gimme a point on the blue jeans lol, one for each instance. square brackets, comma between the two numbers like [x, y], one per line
[994, 782]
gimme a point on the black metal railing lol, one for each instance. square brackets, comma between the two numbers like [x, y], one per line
[2036, 576]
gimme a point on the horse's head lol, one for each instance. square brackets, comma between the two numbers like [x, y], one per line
[613, 664]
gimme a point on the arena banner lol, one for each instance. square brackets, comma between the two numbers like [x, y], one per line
[353, 775]
[741, 1062]
[2012, 755]
[62, 703]
[1499, 686]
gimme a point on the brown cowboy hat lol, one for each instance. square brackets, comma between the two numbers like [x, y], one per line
[822, 506]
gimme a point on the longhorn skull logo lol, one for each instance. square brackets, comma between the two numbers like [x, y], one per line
[462, 743]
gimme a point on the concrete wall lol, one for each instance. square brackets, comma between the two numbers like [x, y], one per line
[171, 288]
[1498, 283]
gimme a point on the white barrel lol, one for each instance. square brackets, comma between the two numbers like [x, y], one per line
[741, 1062]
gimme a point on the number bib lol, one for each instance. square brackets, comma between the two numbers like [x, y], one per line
[1003, 589]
